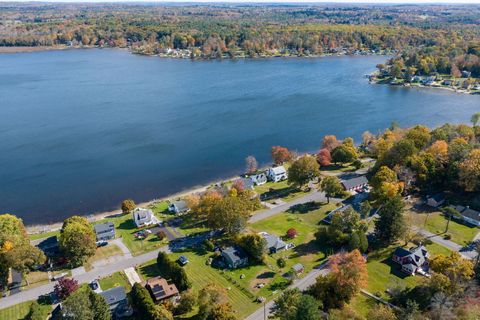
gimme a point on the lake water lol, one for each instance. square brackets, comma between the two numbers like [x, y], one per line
[81, 130]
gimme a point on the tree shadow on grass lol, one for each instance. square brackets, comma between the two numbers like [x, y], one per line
[127, 225]
[150, 270]
[278, 193]
[266, 275]
[305, 207]
[395, 268]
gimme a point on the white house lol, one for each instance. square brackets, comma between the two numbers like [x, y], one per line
[179, 207]
[143, 217]
[413, 260]
[277, 174]
[259, 178]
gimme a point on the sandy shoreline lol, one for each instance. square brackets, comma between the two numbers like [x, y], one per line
[43, 228]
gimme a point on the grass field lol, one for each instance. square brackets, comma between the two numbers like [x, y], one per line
[435, 222]
[115, 280]
[43, 235]
[21, 311]
[201, 274]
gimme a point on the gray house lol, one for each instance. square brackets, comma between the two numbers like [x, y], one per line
[274, 243]
[355, 183]
[179, 207]
[117, 301]
[234, 257]
[413, 260]
[469, 215]
[104, 231]
[436, 200]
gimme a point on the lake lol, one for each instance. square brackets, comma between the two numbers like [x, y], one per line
[81, 130]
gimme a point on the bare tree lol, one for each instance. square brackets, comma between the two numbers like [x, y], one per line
[252, 164]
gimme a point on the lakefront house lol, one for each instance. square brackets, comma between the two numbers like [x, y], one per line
[143, 217]
[277, 174]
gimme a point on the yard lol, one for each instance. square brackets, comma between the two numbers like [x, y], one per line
[436, 222]
[105, 252]
[275, 190]
[21, 311]
[115, 280]
[201, 274]
[384, 273]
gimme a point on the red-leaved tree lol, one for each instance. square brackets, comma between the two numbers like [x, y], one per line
[280, 154]
[330, 143]
[65, 287]
[324, 157]
[238, 185]
[292, 233]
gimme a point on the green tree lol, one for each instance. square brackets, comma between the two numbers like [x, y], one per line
[213, 304]
[84, 304]
[16, 252]
[188, 301]
[230, 214]
[332, 187]
[381, 312]
[77, 240]
[255, 245]
[344, 154]
[303, 170]
[171, 270]
[391, 224]
[365, 208]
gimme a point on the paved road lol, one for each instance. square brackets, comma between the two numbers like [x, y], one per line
[99, 272]
[466, 252]
[264, 311]
[129, 261]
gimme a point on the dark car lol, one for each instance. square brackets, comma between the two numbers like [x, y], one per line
[94, 285]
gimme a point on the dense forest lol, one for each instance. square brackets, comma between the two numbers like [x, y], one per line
[429, 39]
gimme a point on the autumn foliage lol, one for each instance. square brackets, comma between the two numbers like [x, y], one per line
[65, 287]
[324, 157]
[280, 154]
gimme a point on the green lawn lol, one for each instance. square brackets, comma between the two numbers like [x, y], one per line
[282, 190]
[117, 279]
[43, 235]
[125, 228]
[21, 311]
[383, 273]
[307, 251]
[436, 223]
[201, 274]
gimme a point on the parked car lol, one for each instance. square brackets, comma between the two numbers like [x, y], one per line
[182, 260]
[101, 243]
[95, 286]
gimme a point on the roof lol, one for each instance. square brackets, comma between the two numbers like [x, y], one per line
[278, 170]
[114, 295]
[469, 213]
[247, 183]
[438, 197]
[328, 218]
[180, 205]
[354, 182]
[274, 241]
[234, 253]
[104, 227]
[298, 267]
[160, 288]
[401, 252]
[48, 243]
[142, 213]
